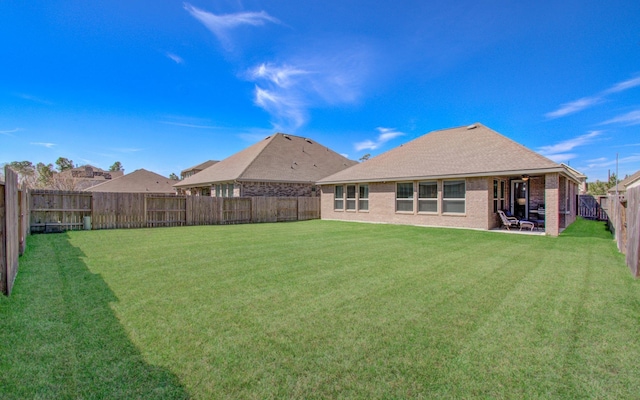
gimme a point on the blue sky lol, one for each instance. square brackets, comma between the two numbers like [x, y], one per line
[164, 85]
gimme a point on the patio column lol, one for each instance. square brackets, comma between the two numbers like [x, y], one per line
[552, 203]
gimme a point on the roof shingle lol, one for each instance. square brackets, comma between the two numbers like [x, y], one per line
[462, 151]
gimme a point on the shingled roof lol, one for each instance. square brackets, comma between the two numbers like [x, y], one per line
[473, 150]
[138, 181]
[277, 158]
[199, 167]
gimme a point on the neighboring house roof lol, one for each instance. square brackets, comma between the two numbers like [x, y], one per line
[277, 158]
[473, 150]
[623, 184]
[138, 181]
[199, 167]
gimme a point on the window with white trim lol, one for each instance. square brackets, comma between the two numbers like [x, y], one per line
[363, 197]
[351, 197]
[453, 197]
[338, 197]
[428, 196]
[404, 196]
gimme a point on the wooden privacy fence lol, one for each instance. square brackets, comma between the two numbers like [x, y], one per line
[14, 223]
[591, 208]
[624, 222]
[53, 211]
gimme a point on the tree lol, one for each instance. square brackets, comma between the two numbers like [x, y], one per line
[174, 177]
[365, 157]
[600, 188]
[25, 170]
[64, 164]
[44, 175]
[117, 166]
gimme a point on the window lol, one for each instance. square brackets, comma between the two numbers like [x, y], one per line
[498, 195]
[404, 196]
[428, 197]
[218, 191]
[338, 198]
[351, 197]
[206, 191]
[363, 198]
[453, 197]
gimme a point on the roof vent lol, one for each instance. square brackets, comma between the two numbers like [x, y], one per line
[267, 137]
[474, 126]
[287, 137]
[308, 141]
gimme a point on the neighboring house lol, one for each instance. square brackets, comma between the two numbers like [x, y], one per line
[81, 178]
[138, 181]
[622, 186]
[196, 168]
[582, 179]
[457, 177]
[279, 165]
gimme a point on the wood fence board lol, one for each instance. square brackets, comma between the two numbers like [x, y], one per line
[11, 230]
[633, 230]
[287, 209]
[3, 257]
[58, 211]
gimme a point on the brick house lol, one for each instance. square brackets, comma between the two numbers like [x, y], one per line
[458, 177]
[279, 165]
[185, 173]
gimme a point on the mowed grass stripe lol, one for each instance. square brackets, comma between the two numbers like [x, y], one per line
[326, 309]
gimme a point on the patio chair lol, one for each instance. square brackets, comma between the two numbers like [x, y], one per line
[508, 222]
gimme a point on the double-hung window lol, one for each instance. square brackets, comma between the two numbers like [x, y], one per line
[428, 197]
[363, 197]
[453, 197]
[351, 197]
[404, 196]
[338, 198]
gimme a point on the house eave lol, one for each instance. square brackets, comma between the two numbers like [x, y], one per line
[536, 171]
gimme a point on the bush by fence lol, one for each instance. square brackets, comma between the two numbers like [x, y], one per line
[53, 211]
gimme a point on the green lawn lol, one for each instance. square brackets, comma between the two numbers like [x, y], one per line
[321, 309]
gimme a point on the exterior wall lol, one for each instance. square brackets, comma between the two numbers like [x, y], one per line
[276, 189]
[382, 207]
[536, 192]
[552, 199]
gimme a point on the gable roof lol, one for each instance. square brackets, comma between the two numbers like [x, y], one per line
[473, 150]
[277, 158]
[622, 185]
[199, 167]
[138, 181]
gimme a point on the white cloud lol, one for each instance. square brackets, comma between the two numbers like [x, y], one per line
[47, 145]
[9, 132]
[568, 145]
[630, 118]
[187, 125]
[288, 109]
[386, 134]
[126, 149]
[622, 86]
[604, 162]
[220, 25]
[289, 89]
[176, 58]
[573, 107]
[586, 102]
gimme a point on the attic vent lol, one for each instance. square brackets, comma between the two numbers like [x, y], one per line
[474, 126]
[308, 141]
[287, 137]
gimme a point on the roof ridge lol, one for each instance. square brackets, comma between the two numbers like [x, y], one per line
[270, 138]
